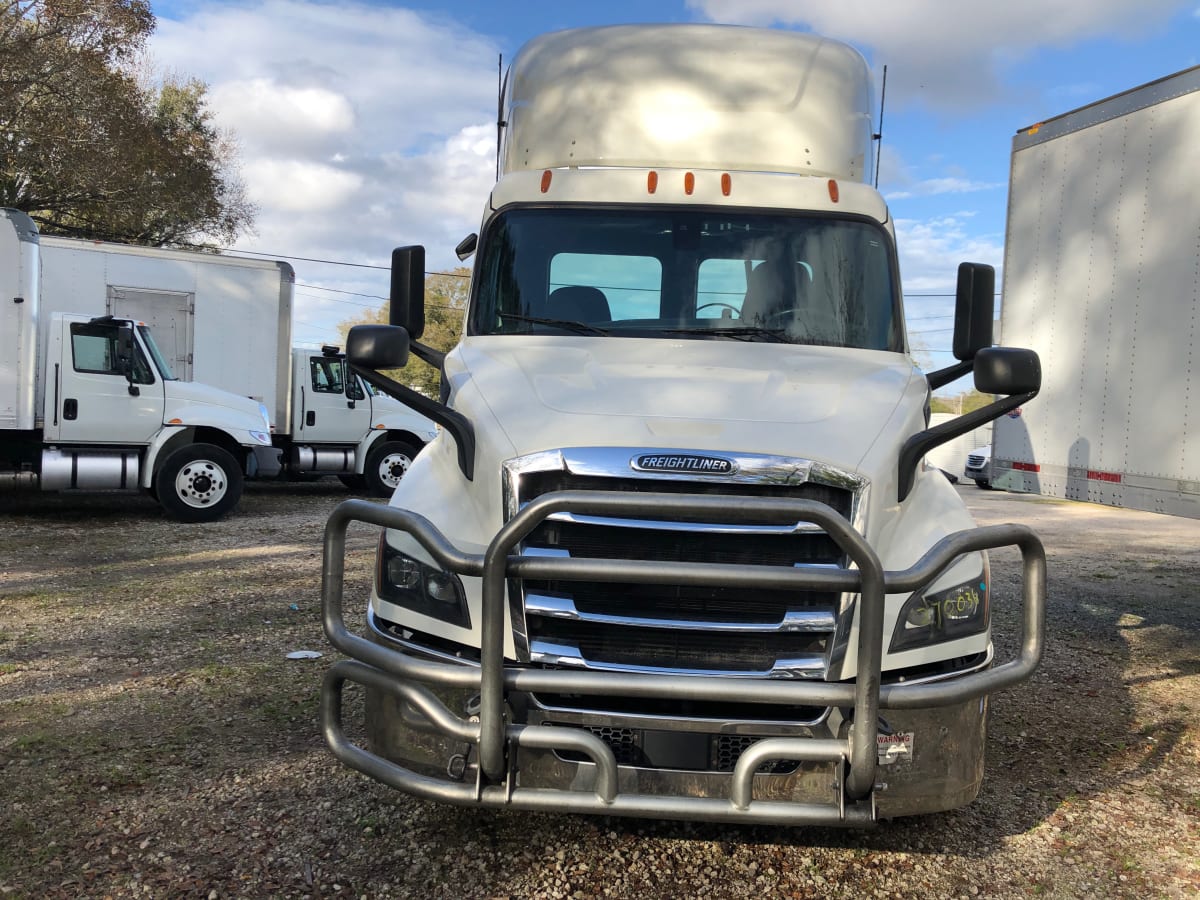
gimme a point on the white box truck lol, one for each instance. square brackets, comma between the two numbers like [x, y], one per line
[675, 551]
[88, 401]
[1101, 278]
[227, 322]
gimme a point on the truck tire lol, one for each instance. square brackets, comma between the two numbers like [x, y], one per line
[983, 483]
[198, 483]
[386, 465]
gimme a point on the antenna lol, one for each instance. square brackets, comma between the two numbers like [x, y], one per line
[879, 134]
[500, 123]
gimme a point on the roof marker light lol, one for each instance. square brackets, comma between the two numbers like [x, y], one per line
[689, 183]
[726, 184]
[546, 176]
[833, 190]
[652, 182]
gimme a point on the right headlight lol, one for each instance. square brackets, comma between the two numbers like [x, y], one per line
[412, 584]
[934, 617]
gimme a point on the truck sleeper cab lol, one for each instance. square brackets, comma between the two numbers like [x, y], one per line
[674, 552]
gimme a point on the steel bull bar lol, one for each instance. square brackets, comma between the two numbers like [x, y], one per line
[855, 756]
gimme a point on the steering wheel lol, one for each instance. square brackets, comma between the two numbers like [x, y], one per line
[729, 306]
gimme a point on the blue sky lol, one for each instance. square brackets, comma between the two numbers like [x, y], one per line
[367, 126]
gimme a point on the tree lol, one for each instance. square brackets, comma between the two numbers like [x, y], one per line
[966, 402]
[92, 148]
[445, 302]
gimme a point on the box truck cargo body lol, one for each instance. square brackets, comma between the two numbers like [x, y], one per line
[675, 551]
[1101, 278]
[88, 401]
[227, 321]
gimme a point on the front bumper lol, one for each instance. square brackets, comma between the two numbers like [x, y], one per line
[468, 734]
[264, 462]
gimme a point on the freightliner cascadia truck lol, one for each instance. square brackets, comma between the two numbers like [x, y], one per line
[675, 551]
[88, 401]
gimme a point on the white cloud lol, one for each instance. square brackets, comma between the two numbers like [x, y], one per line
[931, 249]
[361, 128]
[935, 186]
[945, 52]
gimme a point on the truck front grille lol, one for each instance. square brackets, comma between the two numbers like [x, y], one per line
[680, 628]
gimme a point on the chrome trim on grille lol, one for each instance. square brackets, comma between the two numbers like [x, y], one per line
[749, 469]
[793, 620]
[567, 655]
[797, 528]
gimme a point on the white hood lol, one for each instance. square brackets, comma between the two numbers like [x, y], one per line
[821, 403]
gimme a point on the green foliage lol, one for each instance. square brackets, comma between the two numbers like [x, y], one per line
[445, 302]
[966, 402]
[91, 148]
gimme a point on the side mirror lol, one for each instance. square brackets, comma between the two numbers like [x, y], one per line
[974, 309]
[125, 351]
[408, 290]
[377, 347]
[466, 246]
[1007, 370]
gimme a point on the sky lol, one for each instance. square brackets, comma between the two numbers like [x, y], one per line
[366, 126]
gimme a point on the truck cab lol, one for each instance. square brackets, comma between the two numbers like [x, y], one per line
[344, 426]
[675, 552]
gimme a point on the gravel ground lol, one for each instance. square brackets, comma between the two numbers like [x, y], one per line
[155, 740]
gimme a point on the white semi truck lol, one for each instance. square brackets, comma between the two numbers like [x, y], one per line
[675, 552]
[88, 402]
[1100, 277]
[227, 322]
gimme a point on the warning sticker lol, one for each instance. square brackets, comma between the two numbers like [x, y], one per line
[894, 747]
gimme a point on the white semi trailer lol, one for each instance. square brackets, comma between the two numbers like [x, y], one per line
[88, 401]
[227, 322]
[675, 551]
[1101, 278]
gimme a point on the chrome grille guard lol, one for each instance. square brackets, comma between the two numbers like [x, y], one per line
[389, 669]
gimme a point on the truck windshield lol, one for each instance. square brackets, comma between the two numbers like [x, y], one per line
[688, 273]
[160, 361]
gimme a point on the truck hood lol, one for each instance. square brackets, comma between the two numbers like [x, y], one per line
[821, 403]
[183, 397]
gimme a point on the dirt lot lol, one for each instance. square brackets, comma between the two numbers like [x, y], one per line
[156, 741]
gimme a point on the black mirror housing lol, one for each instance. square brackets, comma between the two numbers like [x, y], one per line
[408, 290]
[1007, 370]
[974, 309]
[377, 346]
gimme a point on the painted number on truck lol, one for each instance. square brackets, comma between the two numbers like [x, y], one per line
[894, 747]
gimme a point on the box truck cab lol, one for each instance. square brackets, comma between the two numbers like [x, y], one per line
[90, 403]
[342, 426]
[675, 552]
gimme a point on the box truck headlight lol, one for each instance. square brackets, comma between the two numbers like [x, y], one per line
[261, 437]
[933, 617]
[424, 589]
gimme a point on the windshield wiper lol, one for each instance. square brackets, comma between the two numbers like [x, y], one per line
[742, 333]
[570, 325]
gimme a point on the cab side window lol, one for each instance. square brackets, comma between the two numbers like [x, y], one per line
[327, 376]
[95, 348]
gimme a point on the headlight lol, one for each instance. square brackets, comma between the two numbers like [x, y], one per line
[410, 583]
[945, 615]
[261, 437]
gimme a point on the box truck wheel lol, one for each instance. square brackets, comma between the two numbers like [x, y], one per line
[386, 465]
[198, 483]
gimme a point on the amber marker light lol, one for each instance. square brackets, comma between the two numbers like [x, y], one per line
[546, 176]
[175, 422]
[833, 190]
[689, 183]
[726, 184]
[651, 182]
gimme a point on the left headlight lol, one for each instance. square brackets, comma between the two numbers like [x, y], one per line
[410, 583]
[934, 617]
